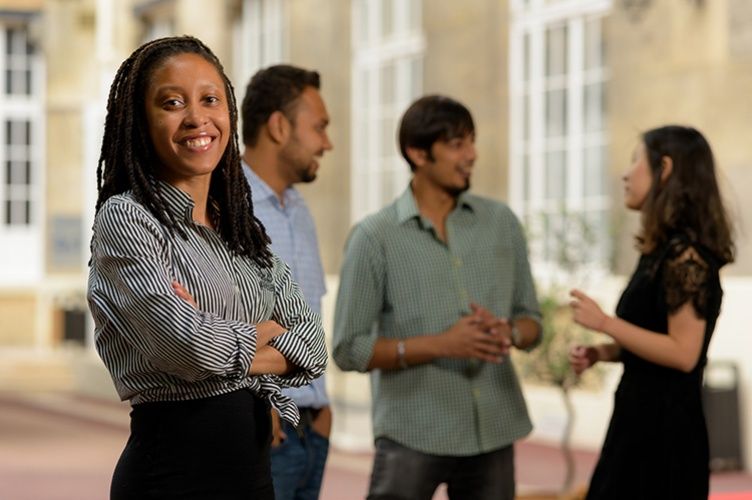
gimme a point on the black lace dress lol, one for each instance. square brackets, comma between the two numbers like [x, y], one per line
[657, 445]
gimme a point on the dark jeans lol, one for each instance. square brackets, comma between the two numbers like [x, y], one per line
[400, 473]
[214, 448]
[298, 463]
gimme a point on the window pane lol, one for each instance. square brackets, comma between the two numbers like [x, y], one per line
[556, 113]
[526, 57]
[416, 78]
[525, 176]
[387, 84]
[17, 170]
[387, 138]
[525, 118]
[595, 107]
[414, 19]
[555, 175]
[594, 178]
[556, 50]
[16, 212]
[594, 45]
[363, 22]
[387, 18]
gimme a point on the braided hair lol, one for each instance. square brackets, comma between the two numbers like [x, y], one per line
[128, 160]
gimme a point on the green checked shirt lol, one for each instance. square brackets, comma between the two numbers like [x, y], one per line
[399, 280]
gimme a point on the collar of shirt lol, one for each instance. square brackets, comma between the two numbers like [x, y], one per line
[260, 190]
[180, 204]
[407, 207]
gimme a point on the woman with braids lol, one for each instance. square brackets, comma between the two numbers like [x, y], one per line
[198, 323]
[657, 445]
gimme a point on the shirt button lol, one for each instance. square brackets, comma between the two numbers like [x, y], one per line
[457, 262]
[476, 392]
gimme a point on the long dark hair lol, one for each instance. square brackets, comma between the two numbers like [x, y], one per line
[127, 161]
[689, 201]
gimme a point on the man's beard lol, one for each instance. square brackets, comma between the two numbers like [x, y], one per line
[456, 191]
[306, 175]
[300, 168]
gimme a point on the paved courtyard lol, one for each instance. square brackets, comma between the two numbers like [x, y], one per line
[63, 447]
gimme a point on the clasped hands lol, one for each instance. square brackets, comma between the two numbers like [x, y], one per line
[479, 335]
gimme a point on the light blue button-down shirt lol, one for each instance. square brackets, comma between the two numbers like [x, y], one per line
[293, 234]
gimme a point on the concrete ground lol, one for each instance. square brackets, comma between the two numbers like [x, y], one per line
[63, 447]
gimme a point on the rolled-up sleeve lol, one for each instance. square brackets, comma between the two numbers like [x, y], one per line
[525, 299]
[303, 344]
[131, 296]
[359, 301]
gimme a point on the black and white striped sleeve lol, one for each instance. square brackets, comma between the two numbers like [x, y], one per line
[303, 343]
[131, 294]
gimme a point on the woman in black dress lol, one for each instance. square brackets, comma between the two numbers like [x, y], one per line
[657, 445]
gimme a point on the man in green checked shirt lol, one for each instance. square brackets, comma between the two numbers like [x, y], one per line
[434, 290]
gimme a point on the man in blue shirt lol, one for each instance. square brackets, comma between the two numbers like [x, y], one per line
[284, 132]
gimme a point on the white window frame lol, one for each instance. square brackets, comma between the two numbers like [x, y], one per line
[377, 174]
[260, 38]
[157, 19]
[21, 245]
[532, 18]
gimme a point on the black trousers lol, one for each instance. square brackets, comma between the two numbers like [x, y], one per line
[214, 448]
[401, 473]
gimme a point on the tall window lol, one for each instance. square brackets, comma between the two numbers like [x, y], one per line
[558, 76]
[21, 123]
[387, 76]
[21, 154]
[18, 174]
[157, 20]
[260, 38]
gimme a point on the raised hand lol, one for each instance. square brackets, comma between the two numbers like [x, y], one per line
[582, 357]
[587, 312]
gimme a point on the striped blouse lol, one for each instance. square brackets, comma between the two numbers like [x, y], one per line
[157, 346]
